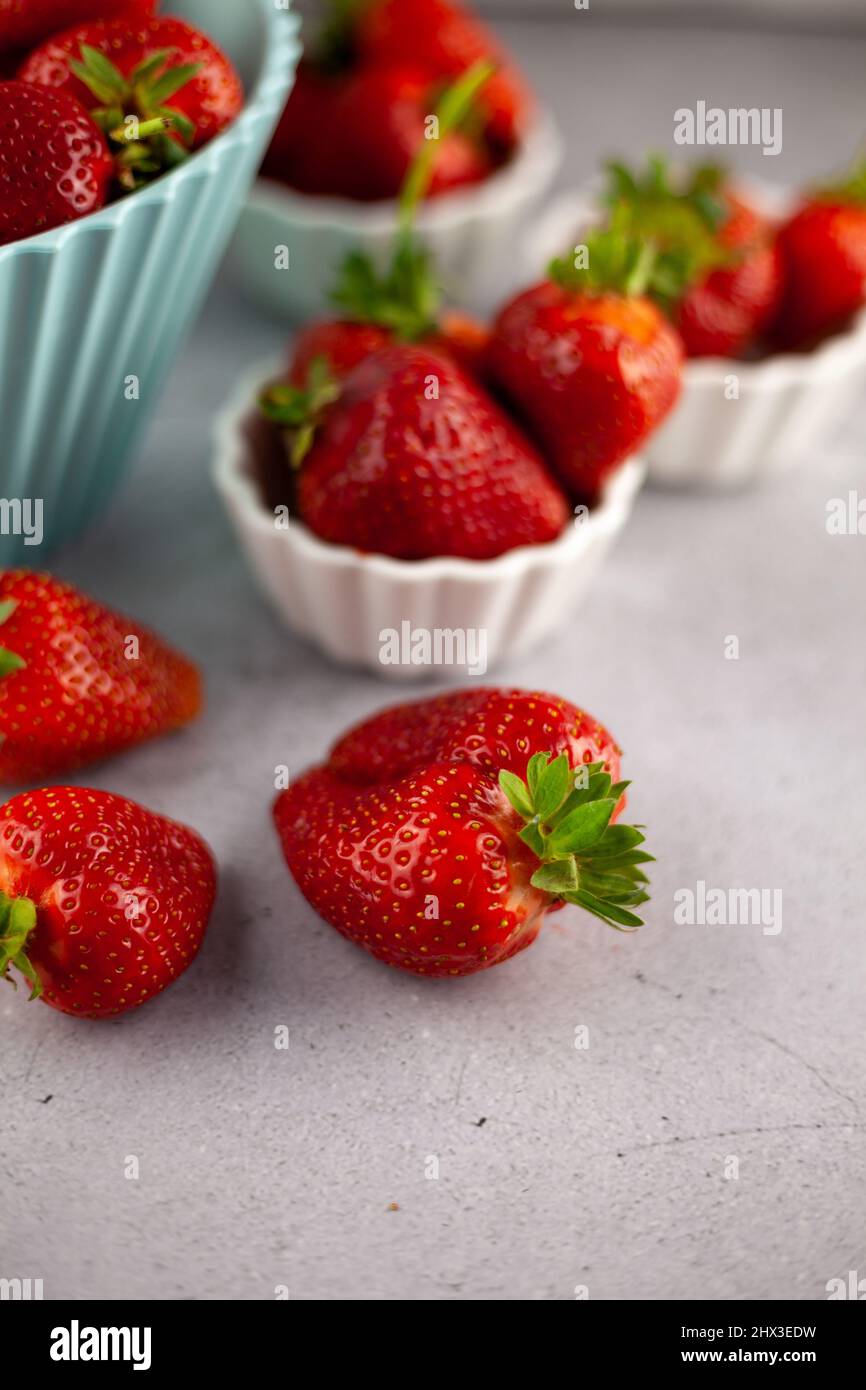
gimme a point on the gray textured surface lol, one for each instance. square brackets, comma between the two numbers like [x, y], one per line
[602, 1167]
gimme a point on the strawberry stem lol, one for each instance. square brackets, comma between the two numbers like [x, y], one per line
[584, 859]
[159, 136]
[406, 299]
[17, 921]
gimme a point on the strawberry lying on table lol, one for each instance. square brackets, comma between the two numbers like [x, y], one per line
[102, 902]
[823, 249]
[439, 834]
[587, 361]
[79, 682]
[360, 108]
[718, 271]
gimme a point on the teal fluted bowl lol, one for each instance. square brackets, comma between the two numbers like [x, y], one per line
[92, 314]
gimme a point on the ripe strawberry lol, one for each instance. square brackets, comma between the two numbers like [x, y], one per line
[589, 363]
[416, 460]
[157, 70]
[823, 249]
[449, 40]
[718, 273]
[102, 902]
[24, 23]
[403, 302]
[79, 682]
[54, 163]
[307, 150]
[419, 840]
[382, 120]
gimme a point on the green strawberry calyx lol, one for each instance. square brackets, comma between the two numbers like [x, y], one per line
[584, 859]
[406, 297]
[9, 661]
[147, 134]
[611, 260]
[17, 921]
[681, 217]
[299, 410]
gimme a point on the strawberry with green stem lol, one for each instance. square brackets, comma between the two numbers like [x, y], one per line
[403, 303]
[717, 272]
[158, 88]
[439, 834]
[586, 360]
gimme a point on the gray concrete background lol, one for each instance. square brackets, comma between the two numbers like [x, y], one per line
[603, 1167]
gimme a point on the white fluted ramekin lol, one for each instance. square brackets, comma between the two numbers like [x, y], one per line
[472, 232]
[92, 313]
[345, 601]
[736, 423]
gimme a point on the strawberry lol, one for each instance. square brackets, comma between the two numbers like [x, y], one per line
[415, 460]
[439, 833]
[307, 150]
[24, 23]
[79, 682]
[718, 273]
[54, 163]
[823, 249]
[589, 362]
[450, 40]
[102, 902]
[382, 119]
[403, 303]
[177, 85]
[359, 111]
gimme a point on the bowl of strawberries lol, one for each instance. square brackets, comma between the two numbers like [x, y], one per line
[363, 104]
[767, 290]
[410, 481]
[129, 134]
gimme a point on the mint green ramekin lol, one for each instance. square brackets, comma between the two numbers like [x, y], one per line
[92, 314]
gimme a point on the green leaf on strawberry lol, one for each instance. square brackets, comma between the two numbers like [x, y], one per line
[680, 217]
[585, 859]
[9, 661]
[299, 409]
[148, 135]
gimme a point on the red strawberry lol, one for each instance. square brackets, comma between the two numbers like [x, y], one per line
[589, 363]
[156, 70]
[403, 302]
[448, 40]
[102, 902]
[419, 841]
[823, 249]
[718, 274]
[79, 682]
[27, 22]
[382, 122]
[343, 343]
[54, 163]
[307, 150]
[416, 460]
